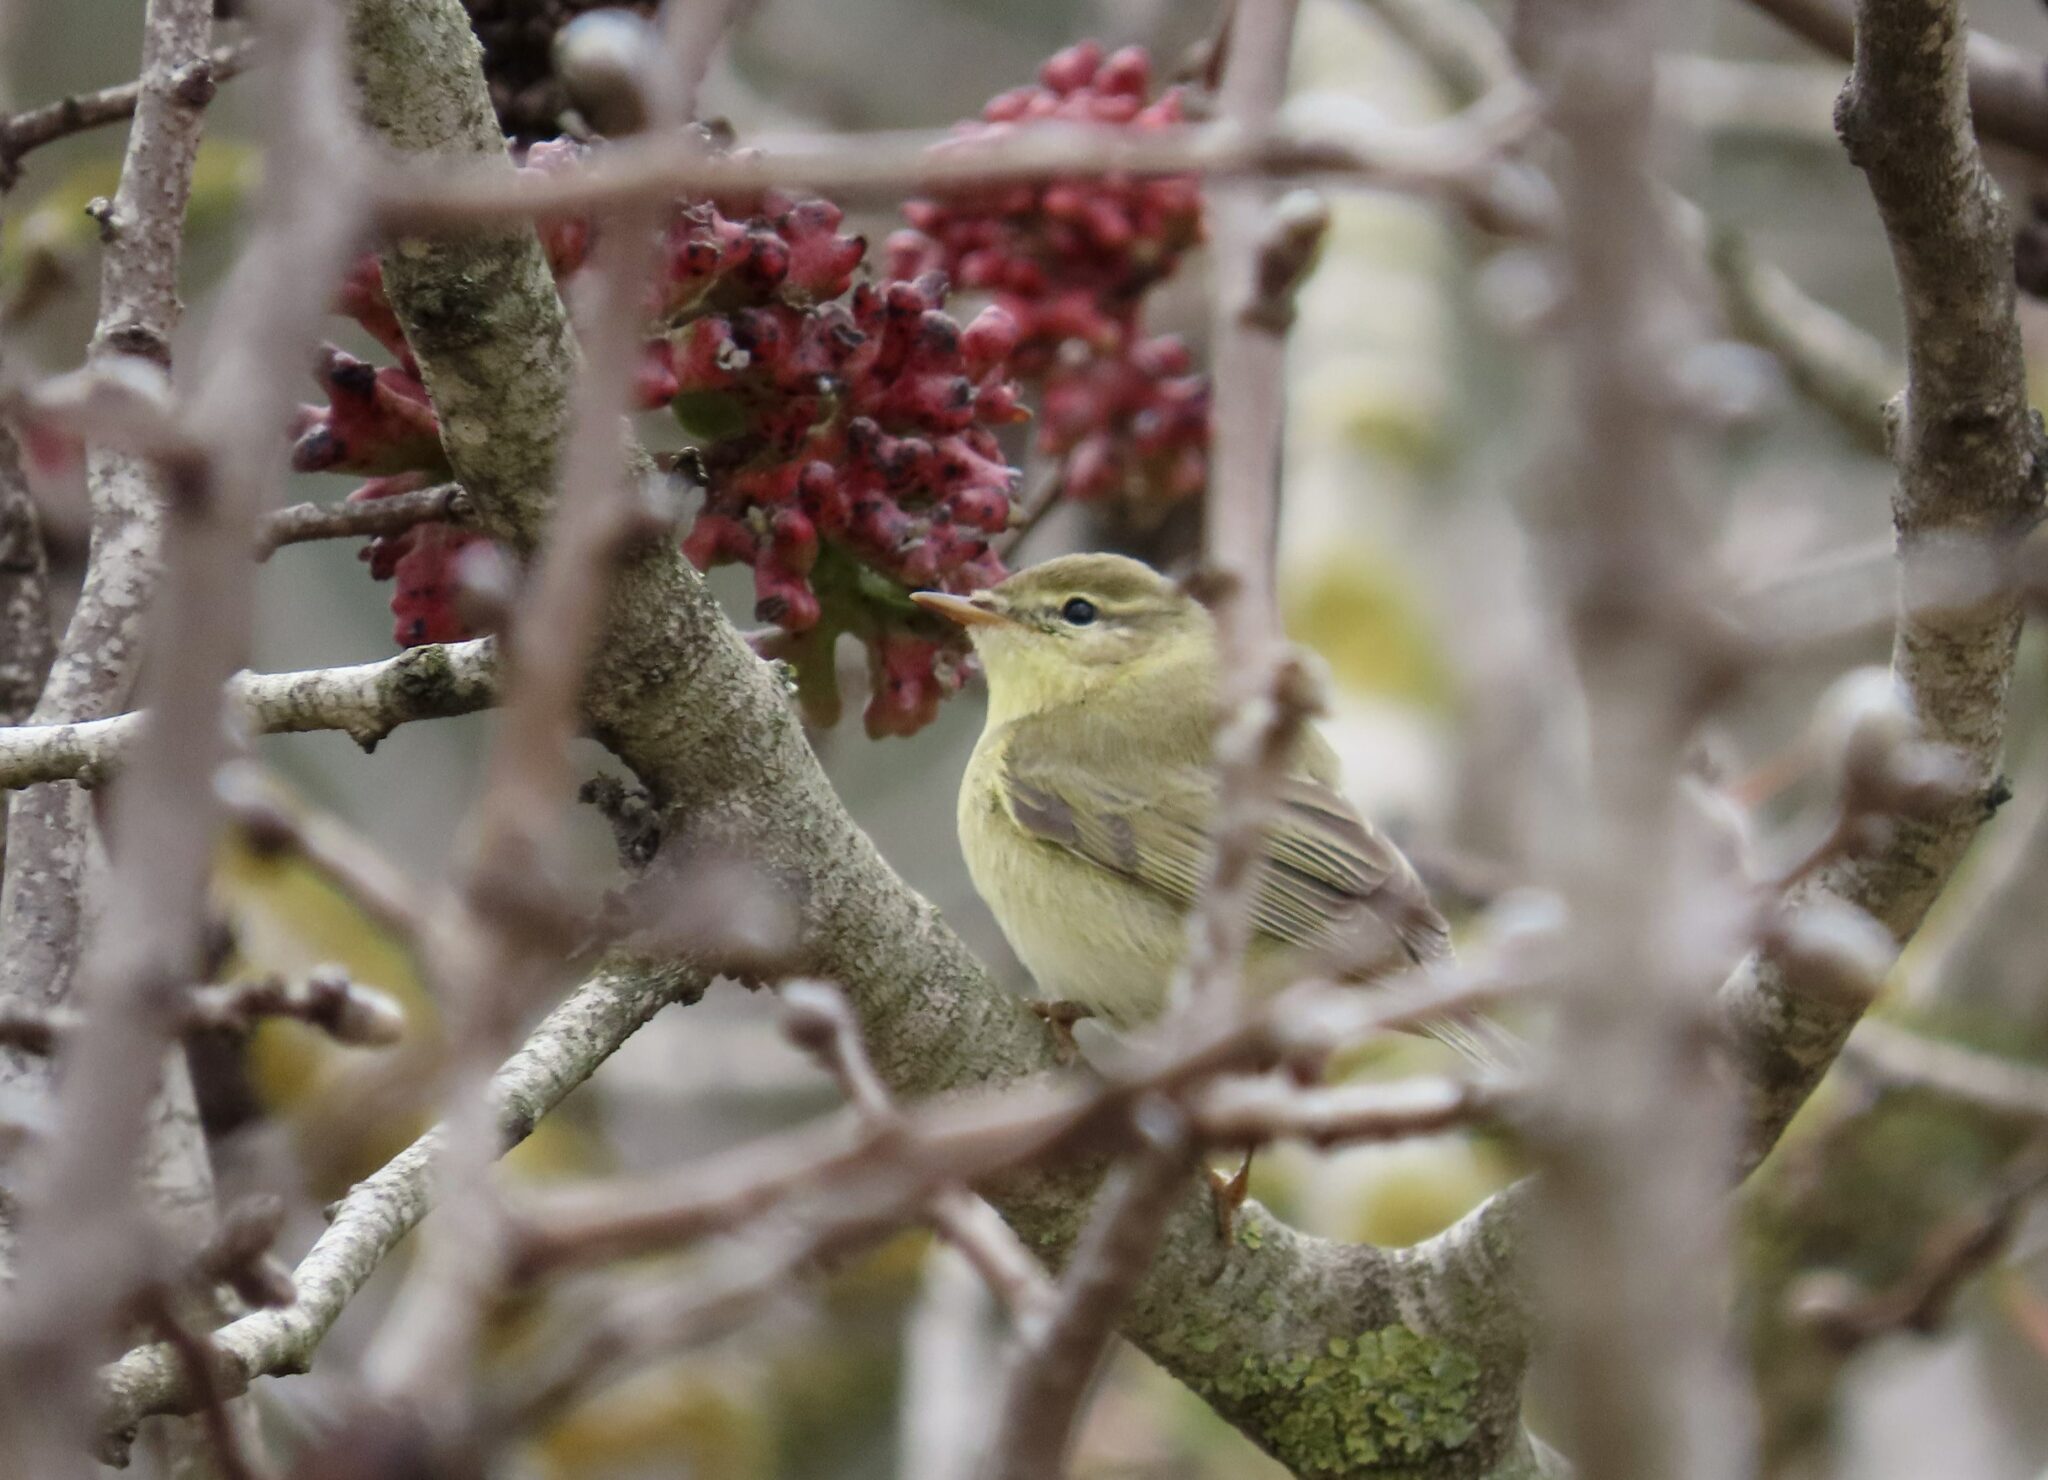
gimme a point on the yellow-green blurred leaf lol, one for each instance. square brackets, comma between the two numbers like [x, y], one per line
[1357, 611]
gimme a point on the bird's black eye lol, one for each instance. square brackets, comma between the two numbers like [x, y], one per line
[1079, 611]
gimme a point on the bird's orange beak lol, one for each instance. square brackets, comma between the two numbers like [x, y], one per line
[968, 611]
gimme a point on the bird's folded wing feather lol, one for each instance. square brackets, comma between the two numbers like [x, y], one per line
[1321, 865]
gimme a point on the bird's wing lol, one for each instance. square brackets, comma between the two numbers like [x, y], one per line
[1320, 863]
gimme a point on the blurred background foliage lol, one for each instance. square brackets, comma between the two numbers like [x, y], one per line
[1418, 414]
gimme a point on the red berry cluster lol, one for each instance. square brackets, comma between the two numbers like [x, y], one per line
[851, 459]
[848, 434]
[1070, 261]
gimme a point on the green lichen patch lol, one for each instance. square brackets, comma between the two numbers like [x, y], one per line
[1388, 1402]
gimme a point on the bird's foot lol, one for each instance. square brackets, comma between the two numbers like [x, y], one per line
[1229, 1194]
[1060, 1018]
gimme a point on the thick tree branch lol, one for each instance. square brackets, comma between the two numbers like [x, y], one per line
[2007, 90]
[1967, 450]
[42, 916]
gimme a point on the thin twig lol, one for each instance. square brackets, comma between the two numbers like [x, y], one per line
[1837, 364]
[196, 1354]
[1042, 1400]
[87, 1236]
[1900, 1059]
[345, 1010]
[567, 1047]
[1254, 746]
[815, 1016]
[1453, 158]
[993, 1251]
[1257, 265]
[372, 517]
[1920, 1299]
[1251, 1112]
[890, 1169]
[34, 127]
[1845, 371]
[273, 825]
[367, 701]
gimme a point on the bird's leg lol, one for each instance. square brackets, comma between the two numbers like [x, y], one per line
[1229, 1194]
[1060, 1018]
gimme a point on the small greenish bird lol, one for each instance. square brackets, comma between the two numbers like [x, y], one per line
[1088, 810]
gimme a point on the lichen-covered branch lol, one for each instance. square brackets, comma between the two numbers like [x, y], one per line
[367, 701]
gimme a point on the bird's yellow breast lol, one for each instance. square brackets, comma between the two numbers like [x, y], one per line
[1084, 934]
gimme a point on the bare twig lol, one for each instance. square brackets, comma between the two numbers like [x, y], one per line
[1254, 746]
[889, 1169]
[1257, 265]
[1919, 1300]
[817, 1019]
[1631, 1129]
[41, 900]
[993, 1251]
[1826, 357]
[1251, 1112]
[567, 1047]
[1030, 512]
[238, 1254]
[272, 824]
[195, 1352]
[1042, 1399]
[1452, 158]
[82, 1248]
[1896, 1058]
[34, 127]
[1968, 472]
[378, 516]
[1838, 365]
[326, 998]
[367, 701]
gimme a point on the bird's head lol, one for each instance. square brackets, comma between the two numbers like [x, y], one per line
[1059, 632]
